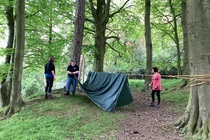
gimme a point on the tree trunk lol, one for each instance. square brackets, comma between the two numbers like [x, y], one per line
[100, 45]
[176, 37]
[16, 99]
[196, 118]
[148, 44]
[5, 85]
[101, 18]
[50, 28]
[186, 69]
[82, 68]
[78, 30]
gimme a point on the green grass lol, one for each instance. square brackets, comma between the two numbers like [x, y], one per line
[169, 83]
[136, 84]
[74, 118]
[64, 118]
[178, 98]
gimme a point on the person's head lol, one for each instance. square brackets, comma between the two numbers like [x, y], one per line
[52, 58]
[154, 69]
[72, 62]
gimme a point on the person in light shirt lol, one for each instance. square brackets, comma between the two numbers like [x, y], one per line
[156, 86]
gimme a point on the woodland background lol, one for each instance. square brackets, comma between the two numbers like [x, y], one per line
[49, 31]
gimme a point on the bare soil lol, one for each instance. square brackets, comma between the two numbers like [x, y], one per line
[148, 123]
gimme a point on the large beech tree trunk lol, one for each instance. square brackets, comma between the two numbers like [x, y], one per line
[148, 44]
[101, 15]
[196, 118]
[78, 30]
[100, 10]
[16, 99]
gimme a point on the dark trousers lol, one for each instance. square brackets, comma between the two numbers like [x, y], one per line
[49, 85]
[153, 95]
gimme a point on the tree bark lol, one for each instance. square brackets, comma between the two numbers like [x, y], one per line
[176, 37]
[186, 69]
[148, 44]
[196, 118]
[78, 31]
[101, 18]
[16, 99]
[5, 85]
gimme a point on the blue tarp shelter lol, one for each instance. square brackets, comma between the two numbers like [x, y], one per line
[107, 90]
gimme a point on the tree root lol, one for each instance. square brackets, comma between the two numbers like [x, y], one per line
[183, 84]
[198, 130]
[12, 109]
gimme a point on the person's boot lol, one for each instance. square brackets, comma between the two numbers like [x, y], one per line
[151, 105]
[45, 96]
[50, 96]
[73, 93]
[67, 93]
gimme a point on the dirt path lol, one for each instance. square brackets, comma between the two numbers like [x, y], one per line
[148, 123]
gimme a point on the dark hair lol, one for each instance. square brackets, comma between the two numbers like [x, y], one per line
[52, 58]
[155, 69]
[72, 60]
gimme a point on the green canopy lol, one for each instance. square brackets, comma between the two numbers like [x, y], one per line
[108, 90]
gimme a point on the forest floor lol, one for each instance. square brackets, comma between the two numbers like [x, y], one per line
[148, 123]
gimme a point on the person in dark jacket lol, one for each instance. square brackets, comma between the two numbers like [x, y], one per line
[50, 77]
[72, 73]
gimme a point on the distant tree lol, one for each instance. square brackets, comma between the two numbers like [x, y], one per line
[175, 33]
[186, 69]
[100, 11]
[6, 82]
[16, 99]
[196, 119]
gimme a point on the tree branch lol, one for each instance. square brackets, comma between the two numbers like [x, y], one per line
[31, 15]
[114, 49]
[119, 10]
[93, 10]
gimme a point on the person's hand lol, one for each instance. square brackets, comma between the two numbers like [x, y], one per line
[149, 85]
[54, 78]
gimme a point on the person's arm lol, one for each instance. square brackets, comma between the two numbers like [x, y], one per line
[68, 72]
[53, 73]
[158, 81]
[75, 72]
[150, 84]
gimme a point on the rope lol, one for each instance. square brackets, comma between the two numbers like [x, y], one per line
[195, 80]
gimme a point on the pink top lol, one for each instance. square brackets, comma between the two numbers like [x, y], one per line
[156, 81]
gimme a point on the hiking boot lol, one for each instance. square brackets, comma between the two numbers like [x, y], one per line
[151, 105]
[158, 105]
[46, 96]
[73, 93]
[50, 96]
[67, 93]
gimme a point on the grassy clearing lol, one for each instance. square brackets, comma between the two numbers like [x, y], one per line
[64, 118]
[73, 118]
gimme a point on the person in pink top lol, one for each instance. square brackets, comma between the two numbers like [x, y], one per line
[156, 86]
